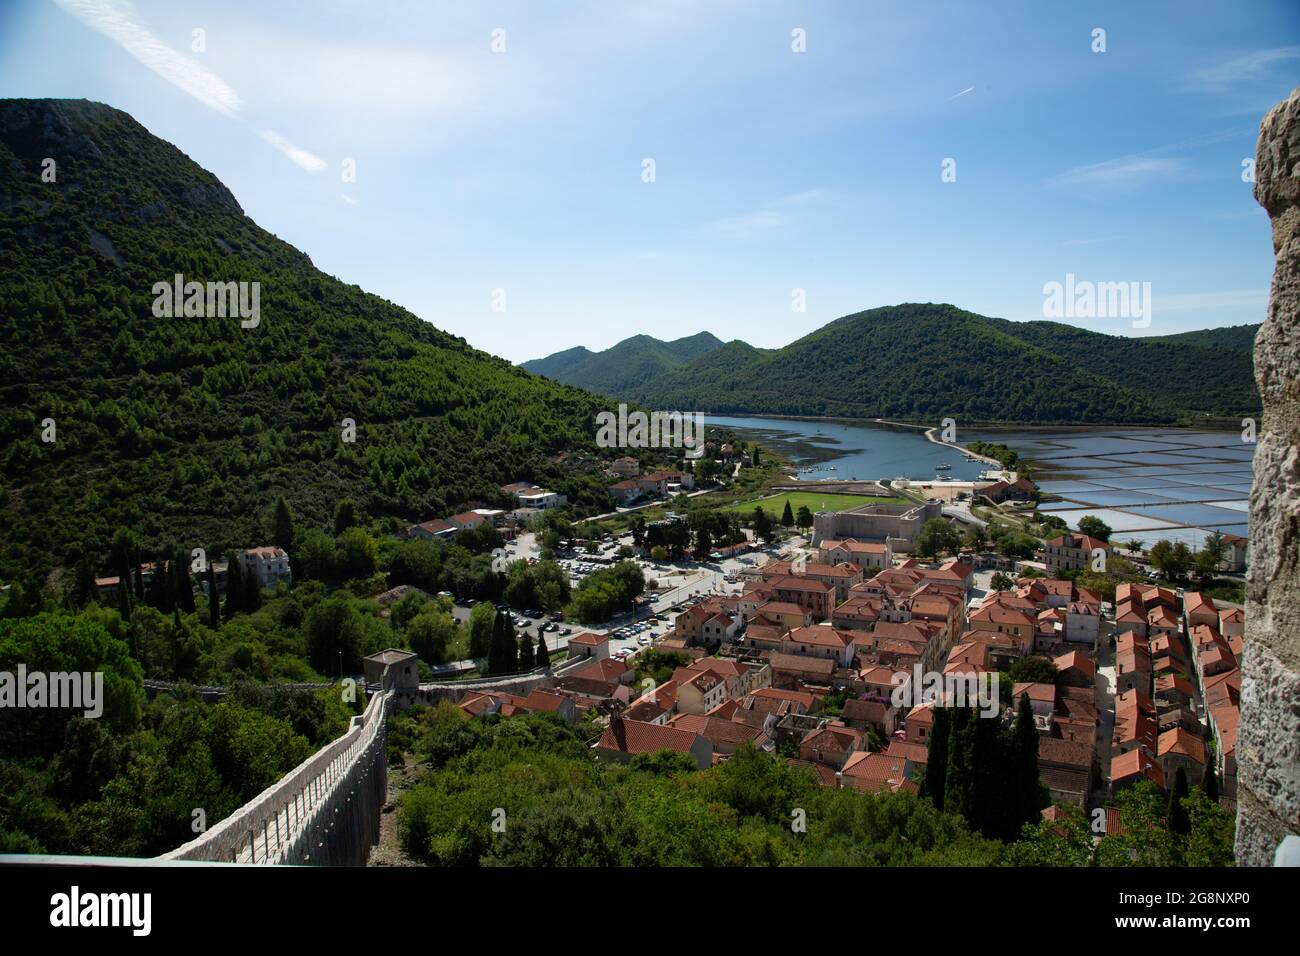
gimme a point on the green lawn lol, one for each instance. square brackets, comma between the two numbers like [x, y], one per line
[815, 501]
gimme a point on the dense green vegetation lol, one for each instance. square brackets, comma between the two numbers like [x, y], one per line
[183, 428]
[525, 791]
[134, 781]
[624, 367]
[924, 362]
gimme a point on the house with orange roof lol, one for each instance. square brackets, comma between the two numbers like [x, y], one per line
[1073, 552]
[861, 714]
[919, 723]
[861, 554]
[726, 736]
[832, 745]
[857, 612]
[587, 644]
[1180, 749]
[1075, 669]
[1128, 768]
[623, 739]
[877, 772]
[822, 640]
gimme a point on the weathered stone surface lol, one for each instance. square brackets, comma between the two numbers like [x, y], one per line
[1269, 742]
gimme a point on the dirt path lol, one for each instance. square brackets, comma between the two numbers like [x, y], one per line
[388, 851]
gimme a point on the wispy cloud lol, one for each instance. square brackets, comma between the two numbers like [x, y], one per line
[1125, 172]
[775, 215]
[1200, 301]
[308, 161]
[1091, 242]
[1243, 68]
[114, 19]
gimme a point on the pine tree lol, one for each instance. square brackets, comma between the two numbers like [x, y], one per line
[543, 654]
[282, 530]
[787, 516]
[526, 657]
[936, 766]
[1176, 814]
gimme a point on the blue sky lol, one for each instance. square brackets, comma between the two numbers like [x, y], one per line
[774, 170]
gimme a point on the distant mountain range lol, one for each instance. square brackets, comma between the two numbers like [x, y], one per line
[926, 361]
[628, 366]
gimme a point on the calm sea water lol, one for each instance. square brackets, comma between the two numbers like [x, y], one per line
[1147, 484]
[840, 450]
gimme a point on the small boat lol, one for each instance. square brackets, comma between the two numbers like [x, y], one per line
[942, 467]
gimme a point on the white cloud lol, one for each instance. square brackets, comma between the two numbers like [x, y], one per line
[114, 19]
[308, 161]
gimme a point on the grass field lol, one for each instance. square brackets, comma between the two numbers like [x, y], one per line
[815, 501]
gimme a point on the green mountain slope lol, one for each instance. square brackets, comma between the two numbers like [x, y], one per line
[186, 429]
[623, 368]
[926, 361]
[1238, 337]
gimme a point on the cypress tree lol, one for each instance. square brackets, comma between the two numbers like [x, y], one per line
[182, 586]
[83, 586]
[214, 601]
[234, 588]
[526, 652]
[787, 516]
[139, 581]
[1025, 757]
[252, 591]
[1210, 782]
[503, 654]
[159, 593]
[957, 776]
[1176, 814]
[124, 597]
[936, 766]
[543, 655]
[282, 530]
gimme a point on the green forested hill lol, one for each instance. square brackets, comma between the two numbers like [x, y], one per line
[186, 429]
[1241, 338]
[623, 368]
[926, 361]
